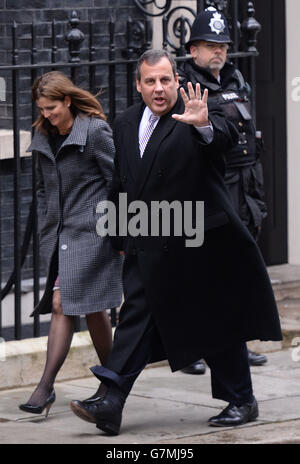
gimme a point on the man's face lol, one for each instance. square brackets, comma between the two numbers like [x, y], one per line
[210, 55]
[158, 86]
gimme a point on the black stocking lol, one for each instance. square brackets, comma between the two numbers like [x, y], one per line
[101, 334]
[59, 342]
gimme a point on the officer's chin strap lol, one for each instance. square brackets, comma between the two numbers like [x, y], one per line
[247, 89]
[243, 86]
[240, 79]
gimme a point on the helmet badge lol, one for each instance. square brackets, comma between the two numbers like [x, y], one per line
[217, 24]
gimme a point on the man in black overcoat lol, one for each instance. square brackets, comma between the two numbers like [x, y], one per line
[221, 284]
[208, 45]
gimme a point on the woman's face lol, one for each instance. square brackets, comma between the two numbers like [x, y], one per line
[57, 112]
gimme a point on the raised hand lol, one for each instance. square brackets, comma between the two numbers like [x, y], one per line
[196, 112]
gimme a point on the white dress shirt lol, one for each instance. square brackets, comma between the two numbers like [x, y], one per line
[206, 132]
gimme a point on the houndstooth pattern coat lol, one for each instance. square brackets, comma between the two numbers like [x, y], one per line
[69, 188]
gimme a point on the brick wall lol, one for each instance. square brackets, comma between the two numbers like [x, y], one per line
[43, 12]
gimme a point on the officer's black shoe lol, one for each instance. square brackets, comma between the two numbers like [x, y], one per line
[235, 415]
[256, 359]
[196, 368]
[106, 412]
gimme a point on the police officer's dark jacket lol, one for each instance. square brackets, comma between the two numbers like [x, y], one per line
[232, 94]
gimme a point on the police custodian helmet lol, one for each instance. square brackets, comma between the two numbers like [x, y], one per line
[210, 25]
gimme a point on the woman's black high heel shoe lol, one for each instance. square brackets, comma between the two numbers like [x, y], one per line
[38, 409]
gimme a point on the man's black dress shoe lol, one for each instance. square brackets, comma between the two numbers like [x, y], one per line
[256, 359]
[92, 399]
[235, 415]
[105, 412]
[196, 368]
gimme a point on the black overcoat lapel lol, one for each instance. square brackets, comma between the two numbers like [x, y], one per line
[161, 131]
[132, 150]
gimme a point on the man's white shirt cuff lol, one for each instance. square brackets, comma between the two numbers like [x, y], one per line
[206, 132]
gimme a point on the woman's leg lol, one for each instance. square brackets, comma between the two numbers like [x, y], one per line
[59, 342]
[101, 334]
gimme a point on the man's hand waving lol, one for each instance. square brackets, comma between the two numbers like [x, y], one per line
[196, 112]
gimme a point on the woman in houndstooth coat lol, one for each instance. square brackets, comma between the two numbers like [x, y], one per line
[75, 154]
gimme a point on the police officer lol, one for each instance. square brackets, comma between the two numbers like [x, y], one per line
[208, 45]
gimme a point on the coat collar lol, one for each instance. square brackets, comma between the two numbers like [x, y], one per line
[77, 136]
[190, 71]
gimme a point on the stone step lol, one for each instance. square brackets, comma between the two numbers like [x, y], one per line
[289, 312]
[286, 285]
[286, 290]
[285, 281]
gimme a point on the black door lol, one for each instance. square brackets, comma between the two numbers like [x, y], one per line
[271, 120]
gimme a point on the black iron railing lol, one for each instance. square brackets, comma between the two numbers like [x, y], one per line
[139, 36]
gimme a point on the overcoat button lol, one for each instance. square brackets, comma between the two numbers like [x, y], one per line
[245, 152]
[64, 247]
[124, 179]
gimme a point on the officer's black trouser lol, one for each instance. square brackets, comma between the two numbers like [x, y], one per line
[136, 337]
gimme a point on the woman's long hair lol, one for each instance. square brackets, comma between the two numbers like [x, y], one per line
[56, 86]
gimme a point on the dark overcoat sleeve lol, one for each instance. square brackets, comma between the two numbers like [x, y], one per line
[224, 138]
[225, 134]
